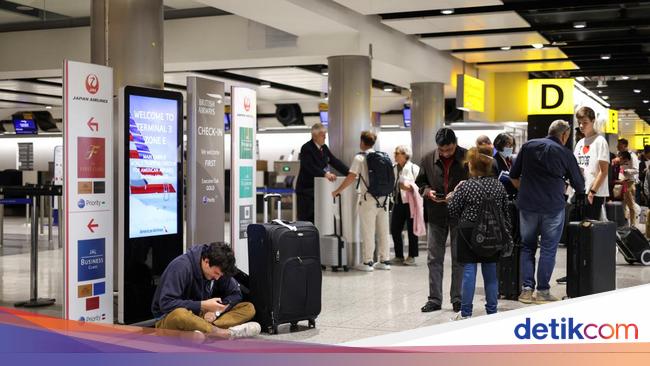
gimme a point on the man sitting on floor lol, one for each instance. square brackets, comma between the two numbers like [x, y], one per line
[197, 293]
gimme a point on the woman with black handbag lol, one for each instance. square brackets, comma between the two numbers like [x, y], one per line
[479, 200]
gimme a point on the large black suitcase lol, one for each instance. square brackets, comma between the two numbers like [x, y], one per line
[508, 267]
[616, 212]
[633, 245]
[591, 258]
[285, 273]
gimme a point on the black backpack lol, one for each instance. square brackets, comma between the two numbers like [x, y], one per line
[381, 177]
[490, 234]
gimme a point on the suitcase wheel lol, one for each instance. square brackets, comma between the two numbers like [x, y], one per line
[272, 329]
[294, 326]
[346, 268]
[323, 268]
[312, 323]
[645, 257]
[335, 269]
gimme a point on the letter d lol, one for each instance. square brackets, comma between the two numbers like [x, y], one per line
[526, 329]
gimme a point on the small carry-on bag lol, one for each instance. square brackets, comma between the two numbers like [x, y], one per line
[633, 245]
[591, 258]
[616, 212]
[285, 272]
[508, 267]
[333, 249]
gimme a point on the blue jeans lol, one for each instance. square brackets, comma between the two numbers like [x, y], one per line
[489, 271]
[549, 228]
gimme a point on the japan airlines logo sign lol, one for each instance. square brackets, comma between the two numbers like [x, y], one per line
[247, 104]
[92, 84]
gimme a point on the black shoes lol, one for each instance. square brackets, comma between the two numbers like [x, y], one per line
[456, 306]
[561, 280]
[430, 306]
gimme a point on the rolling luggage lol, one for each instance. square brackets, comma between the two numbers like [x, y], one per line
[615, 212]
[285, 272]
[591, 258]
[333, 251]
[633, 245]
[508, 267]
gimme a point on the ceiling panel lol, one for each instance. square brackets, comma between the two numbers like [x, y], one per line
[293, 76]
[30, 99]
[16, 105]
[11, 17]
[30, 87]
[510, 55]
[397, 6]
[485, 41]
[530, 66]
[71, 8]
[458, 23]
[180, 78]
[183, 4]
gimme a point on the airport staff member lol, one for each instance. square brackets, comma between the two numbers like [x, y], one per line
[315, 159]
[197, 293]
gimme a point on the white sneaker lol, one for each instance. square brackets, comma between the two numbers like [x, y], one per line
[383, 265]
[246, 330]
[365, 267]
[459, 316]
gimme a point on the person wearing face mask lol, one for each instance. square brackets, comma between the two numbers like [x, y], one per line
[504, 144]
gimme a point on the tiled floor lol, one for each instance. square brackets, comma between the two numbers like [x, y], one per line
[355, 305]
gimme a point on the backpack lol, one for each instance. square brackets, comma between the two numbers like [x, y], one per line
[490, 234]
[381, 177]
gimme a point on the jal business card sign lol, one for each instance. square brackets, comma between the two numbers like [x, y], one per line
[242, 172]
[88, 191]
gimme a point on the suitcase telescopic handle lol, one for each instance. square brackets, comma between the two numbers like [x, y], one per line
[340, 223]
[268, 198]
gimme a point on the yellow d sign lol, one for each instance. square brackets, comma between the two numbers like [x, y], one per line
[550, 96]
[612, 122]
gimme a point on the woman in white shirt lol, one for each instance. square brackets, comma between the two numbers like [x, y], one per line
[592, 153]
[405, 170]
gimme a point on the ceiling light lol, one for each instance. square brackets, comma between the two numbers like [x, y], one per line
[600, 92]
[324, 71]
[447, 11]
[601, 84]
[637, 91]
[48, 107]
[605, 97]
[265, 84]
[388, 88]
[24, 8]
[505, 48]
[625, 77]
[537, 45]
[579, 25]
[645, 101]
[580, 78]
[605, 56]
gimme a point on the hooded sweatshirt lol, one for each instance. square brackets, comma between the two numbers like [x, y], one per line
[183, 285]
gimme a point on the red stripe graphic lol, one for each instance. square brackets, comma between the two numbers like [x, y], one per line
[153, 188]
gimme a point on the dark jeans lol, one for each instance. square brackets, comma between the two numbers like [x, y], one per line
[490, 284]
[593, 211]
[402, 214]
[436, 243]
[549, 228]
[305, 206]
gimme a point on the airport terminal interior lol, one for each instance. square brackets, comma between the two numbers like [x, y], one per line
[402, 69]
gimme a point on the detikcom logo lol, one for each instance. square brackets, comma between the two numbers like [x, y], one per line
[92, 83]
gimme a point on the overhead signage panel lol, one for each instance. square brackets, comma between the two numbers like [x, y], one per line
[550, 96]
[470, 93]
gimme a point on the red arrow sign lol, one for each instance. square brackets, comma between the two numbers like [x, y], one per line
[92, 122]
[92, 225]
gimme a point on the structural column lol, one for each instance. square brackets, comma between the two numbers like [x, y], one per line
[427, 116]
[349, 103]
[127, 35]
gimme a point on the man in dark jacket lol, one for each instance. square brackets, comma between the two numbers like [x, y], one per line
[540, 170]
[442, 170]
[315, 159]
[197, 293]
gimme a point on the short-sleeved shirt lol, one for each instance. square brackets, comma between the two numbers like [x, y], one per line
[360, 168]
[589, 152]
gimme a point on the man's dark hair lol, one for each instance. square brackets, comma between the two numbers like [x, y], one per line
[445, 136]
[368, 138]
[220, 255]
[502, 140]
[646, 149]
[624, 142]
[625, 155]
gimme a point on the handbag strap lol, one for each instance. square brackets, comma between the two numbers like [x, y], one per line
[280, 222]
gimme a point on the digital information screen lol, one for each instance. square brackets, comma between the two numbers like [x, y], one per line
[407, 117]
[25, 127]
[153, 161]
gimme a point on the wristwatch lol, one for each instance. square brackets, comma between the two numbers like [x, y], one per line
[217, 313]
[592, 191]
